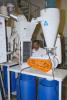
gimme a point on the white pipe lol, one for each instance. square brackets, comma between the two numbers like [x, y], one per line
[14, 17]
[58, 49]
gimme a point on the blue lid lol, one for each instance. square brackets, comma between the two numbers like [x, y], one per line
[49, 83]
[26, 77]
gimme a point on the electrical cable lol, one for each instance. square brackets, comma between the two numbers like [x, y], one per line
[19, 81]
[53, 73]
[52, 68]
[22, 70]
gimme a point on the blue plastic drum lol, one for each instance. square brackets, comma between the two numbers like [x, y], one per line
[48, 89]
[12, 80]
[27, 86]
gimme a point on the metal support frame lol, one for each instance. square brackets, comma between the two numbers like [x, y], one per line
[1, 86]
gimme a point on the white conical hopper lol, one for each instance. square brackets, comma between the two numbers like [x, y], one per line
[21, 19]
[50, 23]
[24, 28]
[58, 49]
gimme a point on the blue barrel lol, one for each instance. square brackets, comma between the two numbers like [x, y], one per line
[48, 89]
[18, 95]
[12, 80]
[27, 87]
[5, 78]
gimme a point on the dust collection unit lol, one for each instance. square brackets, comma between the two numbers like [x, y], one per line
[25, 85]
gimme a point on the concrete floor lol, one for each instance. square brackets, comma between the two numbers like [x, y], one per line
[12, 98]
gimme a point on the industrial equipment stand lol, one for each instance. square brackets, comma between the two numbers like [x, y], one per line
[60, 74]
